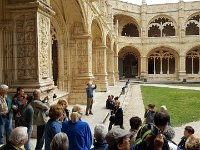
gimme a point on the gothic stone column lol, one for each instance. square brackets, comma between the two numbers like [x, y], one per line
[144, 71]
[182, 70]
[81, 68]
[116, 71]
[110, 67]
[32, 45]
[100, 73]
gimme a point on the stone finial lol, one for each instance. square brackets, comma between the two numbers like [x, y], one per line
[180, 0]
[143, 1]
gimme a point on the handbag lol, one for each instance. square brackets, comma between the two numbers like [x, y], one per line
[112, 118]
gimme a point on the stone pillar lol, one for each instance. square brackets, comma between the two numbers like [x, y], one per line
[116, 69]
[182, 69]
[144, 29]
[32, 45]
[144, 71]
[181, 22]
[110, 67]
[100, 68]
[81, 68]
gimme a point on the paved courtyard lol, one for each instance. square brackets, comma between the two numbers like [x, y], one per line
[132, 105]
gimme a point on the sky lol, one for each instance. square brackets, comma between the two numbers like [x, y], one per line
[155, 1]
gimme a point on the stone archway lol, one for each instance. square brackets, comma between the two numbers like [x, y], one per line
[54, 62]
[99, 62]
[162, 63]
[130, 66]
[129, 59]
[192, 62]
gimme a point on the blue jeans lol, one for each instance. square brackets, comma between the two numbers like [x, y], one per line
[6, 125]
[27, 144]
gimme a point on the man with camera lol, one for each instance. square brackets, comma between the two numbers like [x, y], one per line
[150, 134]
[149, 114]
[89, 91]
[40, 116]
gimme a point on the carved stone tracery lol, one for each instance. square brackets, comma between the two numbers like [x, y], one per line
[26, 52]
[44, 46]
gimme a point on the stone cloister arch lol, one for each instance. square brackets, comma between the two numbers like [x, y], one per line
[129, 62]
[127, 25]
[74, 50]
[192, 62]
[110, 60]
[60, 37]
[161, 26]
[99, 61]
[192, 26]
[162, 63]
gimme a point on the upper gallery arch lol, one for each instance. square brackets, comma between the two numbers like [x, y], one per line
[127, 25]
[162, 26]
[192, 26]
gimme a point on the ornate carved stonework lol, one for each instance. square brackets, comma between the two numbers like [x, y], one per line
[44, 32]
[25, 41]
[82, 55]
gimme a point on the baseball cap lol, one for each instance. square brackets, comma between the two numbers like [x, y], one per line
[115, 134]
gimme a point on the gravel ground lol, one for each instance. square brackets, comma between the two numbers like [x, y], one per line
[133, 106]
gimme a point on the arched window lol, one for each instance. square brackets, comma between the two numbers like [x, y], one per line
[161, 27]
[161, 62]
[193, 62]
[193, 26]
[131, 30]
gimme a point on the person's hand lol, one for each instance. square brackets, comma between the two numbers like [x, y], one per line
[18, 115]
[158, 142]
[14, 107]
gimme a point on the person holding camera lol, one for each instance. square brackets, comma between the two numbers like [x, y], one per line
[40, 116]
[150, 133]
[24, 118]
[149, 114]
[89, 90]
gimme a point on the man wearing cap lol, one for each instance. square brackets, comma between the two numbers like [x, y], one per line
[118, 139]
[89, 90]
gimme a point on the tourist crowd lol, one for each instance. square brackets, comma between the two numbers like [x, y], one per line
[58, 128]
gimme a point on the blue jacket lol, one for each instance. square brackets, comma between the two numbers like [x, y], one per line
[51, 129]
[79, 134]
[89, 91]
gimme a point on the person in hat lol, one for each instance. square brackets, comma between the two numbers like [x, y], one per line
[118, 139]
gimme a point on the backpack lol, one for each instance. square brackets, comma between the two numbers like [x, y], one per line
[142, 134]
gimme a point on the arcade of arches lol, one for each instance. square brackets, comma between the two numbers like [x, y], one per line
[59, 46]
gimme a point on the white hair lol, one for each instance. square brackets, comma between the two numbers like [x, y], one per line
[163, 108]
[17, 135]
[60, 141]
[100, 132]
[3, 87]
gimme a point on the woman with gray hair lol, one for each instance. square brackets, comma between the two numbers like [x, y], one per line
[60, 142]
[100, 132]
[169, 134]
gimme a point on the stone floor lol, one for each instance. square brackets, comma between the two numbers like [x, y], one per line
[132, 105]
